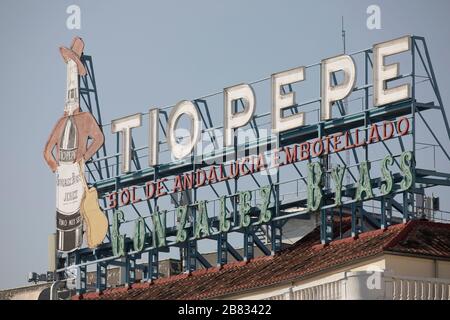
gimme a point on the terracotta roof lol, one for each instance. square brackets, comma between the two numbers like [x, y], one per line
[305, 258]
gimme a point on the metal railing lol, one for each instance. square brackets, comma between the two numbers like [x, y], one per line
[409, 288]
[394, 288]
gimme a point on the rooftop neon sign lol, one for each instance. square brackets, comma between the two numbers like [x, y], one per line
[232, 120]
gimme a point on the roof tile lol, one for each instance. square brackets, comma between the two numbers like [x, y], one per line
[303, 259]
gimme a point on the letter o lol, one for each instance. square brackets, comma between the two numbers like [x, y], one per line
[313, 151]
[179, 151]
[125, 196]
[403, 130]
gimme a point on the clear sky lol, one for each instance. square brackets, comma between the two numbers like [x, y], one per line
[155, 53]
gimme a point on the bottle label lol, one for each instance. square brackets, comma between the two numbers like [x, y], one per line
[69, 189]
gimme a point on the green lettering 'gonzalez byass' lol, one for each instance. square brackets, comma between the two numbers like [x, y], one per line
[224, 220]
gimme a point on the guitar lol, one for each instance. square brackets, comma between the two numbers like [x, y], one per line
[94, 218]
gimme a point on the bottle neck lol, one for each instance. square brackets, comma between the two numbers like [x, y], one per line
[72, 89]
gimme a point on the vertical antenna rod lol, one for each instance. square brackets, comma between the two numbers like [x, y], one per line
[345, 102]
[343, 33]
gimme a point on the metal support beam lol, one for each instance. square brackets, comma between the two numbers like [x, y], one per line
[153, 265]
[222, 254]
[101, 276]
[276, 236]
[355, 230]
[434, 81]
[87, 90]
[190, 256]
[326, 225]
[234, 252]
[248, 244]
[408, 206]
[130, 269]
[405, 214]
[383, 224]
[261, 246]
[205, 263]
[81, 282]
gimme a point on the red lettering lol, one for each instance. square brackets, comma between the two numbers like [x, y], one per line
[212, 176]
[337, 142]
[348, 144]
[357, 143]
[327, 144]
[112, 198]
[387, 135]
[373, 133]
[234, 172]
[291, 156]
[177, 186]
[275, 158]
[304, 149]
[403, 131]
[222, 173]
[315, 153]
[133, 195]
[260, 163]
[200, 177]
[159, 188]
[124, 196]
[244, 171]
[188, 180]
[150, 189]
[251, 164]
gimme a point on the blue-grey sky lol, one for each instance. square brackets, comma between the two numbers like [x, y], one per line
[155, 53]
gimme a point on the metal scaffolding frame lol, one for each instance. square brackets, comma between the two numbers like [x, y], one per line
[103, 171]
